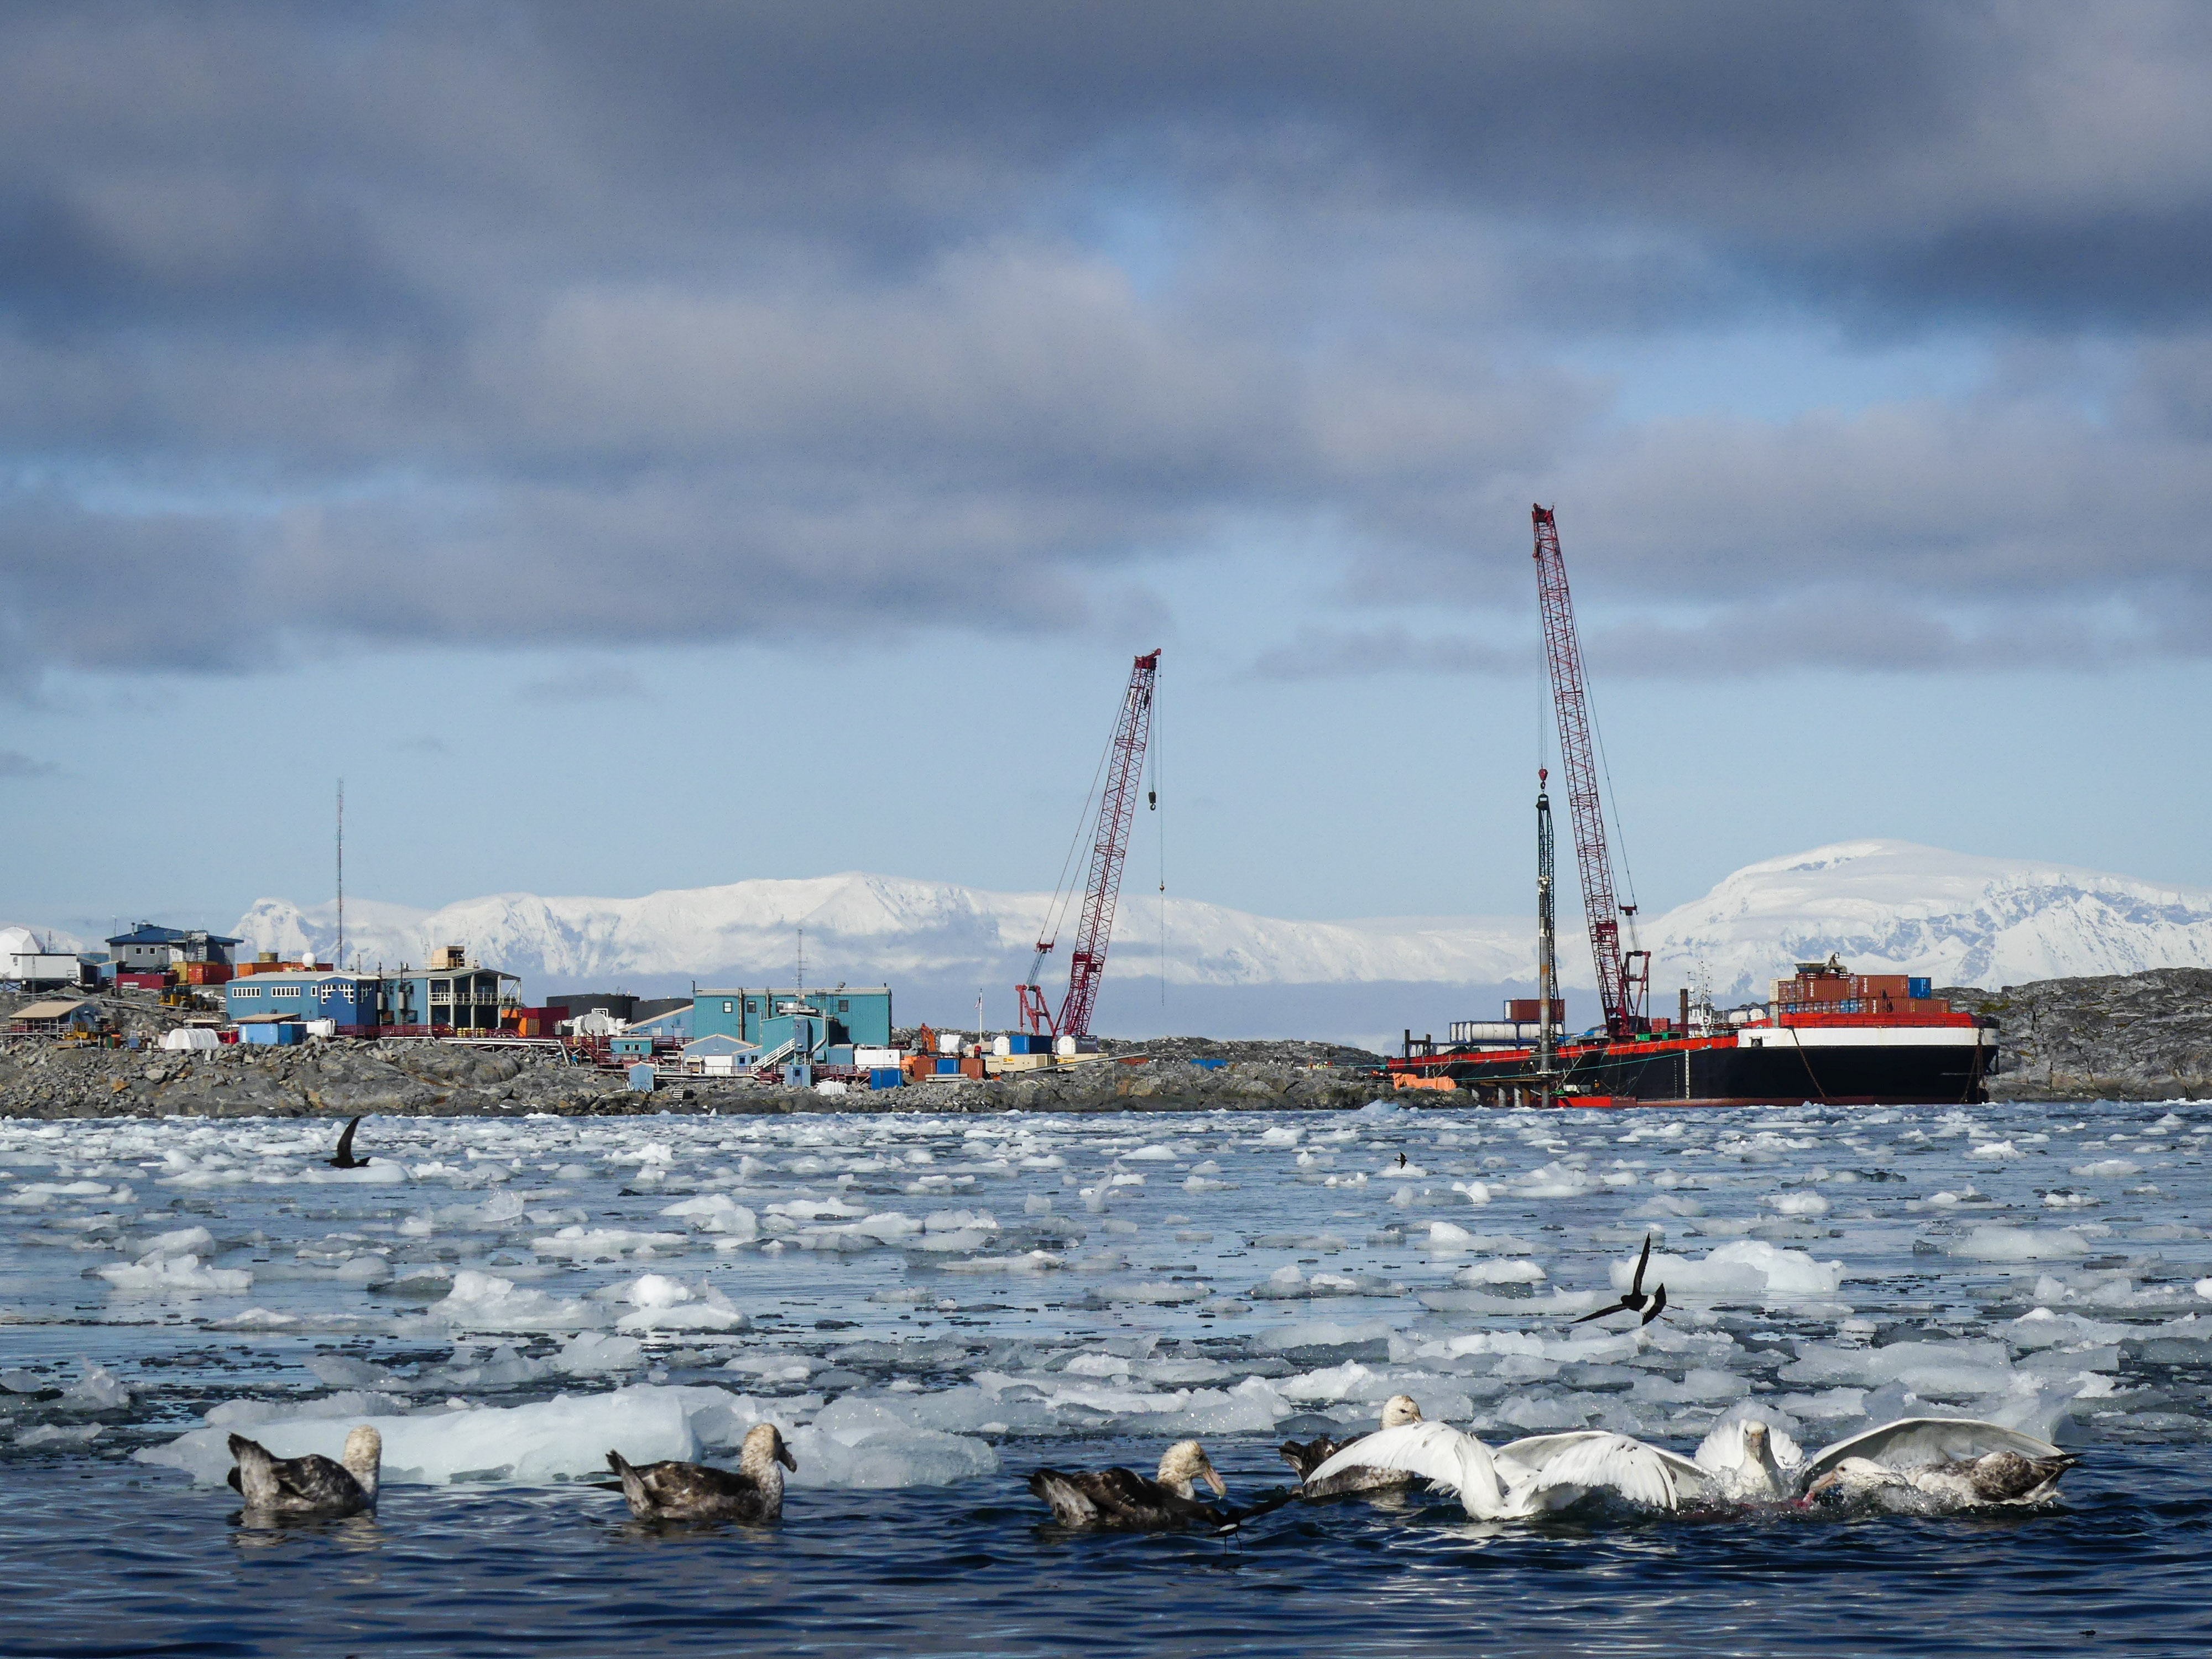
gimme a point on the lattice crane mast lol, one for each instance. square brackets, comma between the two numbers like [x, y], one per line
[1109, 851]
[1624, 976]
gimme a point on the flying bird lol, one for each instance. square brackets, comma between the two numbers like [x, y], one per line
[1633, 1300]
[345, 1160]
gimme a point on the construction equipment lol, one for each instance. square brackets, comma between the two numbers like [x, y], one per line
[1547, 952]
[1624, 976]
[1122, 768]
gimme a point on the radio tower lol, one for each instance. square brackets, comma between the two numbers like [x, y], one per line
[1623, 977]
[338, 962]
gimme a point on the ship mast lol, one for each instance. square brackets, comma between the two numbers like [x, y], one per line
[1547, 950]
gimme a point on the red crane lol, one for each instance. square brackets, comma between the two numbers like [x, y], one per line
[1109, 851]
[1624, 977]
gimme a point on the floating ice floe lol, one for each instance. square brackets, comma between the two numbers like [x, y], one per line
[157, 1272]
[1745, 1267]
[1994, 1242]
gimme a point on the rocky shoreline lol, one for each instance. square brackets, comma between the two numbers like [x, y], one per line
[2135, 1036]
[2120, 1036]
[40, 1079]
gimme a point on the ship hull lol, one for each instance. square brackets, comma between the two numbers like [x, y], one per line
[1783, 1070]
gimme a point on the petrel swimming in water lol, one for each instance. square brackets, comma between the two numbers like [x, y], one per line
[1124, 1499]
[1633, 1300]
[751, 1494]
[312, 1484]
[345, 1160]
[1305, 1457]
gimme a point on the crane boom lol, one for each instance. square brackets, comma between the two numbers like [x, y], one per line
[1622, 976]
[1109, 847]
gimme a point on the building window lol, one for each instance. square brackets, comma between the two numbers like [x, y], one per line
[729, 1008]
[844, 1006]
[752, 1006]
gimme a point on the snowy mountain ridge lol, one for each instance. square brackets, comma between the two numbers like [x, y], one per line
[1882, 906]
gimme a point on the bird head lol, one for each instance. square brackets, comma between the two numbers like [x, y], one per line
[1852, 1477]
[764, 1445]
[363, 1456]
[1186, 1462]
[1399, 1410]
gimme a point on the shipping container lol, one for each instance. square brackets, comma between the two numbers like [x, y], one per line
[1919, 988]
[972, 1067]
[886, 1077]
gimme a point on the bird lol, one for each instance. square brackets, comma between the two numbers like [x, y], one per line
[1397, 1411]
[1995, 1479]
[1959, 1462]
[312, 1484]
[751, 1494]
[1123, 1500]
[1750, 1462]
[1529, 1476]
[1632, 1299]
[345, 1160]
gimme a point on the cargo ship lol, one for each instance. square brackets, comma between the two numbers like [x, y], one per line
[1827, 1036]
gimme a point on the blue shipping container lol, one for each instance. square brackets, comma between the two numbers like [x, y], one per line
[1210, 1064]
[276, 1033]
[886, 1077]
[948, 1066]
[1920, 987]
[1025, 1042]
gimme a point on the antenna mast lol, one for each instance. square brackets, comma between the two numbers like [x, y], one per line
[339, 962]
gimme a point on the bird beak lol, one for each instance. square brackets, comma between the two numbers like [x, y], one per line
[1820, 1485]
[1213, 1480]
[783, 1456]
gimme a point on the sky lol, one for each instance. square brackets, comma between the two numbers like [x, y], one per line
[653, 446]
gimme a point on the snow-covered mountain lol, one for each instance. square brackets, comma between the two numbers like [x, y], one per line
[862, 928]
[1890, 907]
[1882, 906]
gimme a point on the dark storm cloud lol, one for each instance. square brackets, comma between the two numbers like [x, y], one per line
[589, 324]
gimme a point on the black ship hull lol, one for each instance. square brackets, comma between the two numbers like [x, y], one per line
[1721, 1072]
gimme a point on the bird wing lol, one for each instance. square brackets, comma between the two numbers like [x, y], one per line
[1535, 1452]
[1913, 1441]
[345, 1142]
[1456, 1461]
[1636, 1285]
[1551, 1471]
[1308, 1456]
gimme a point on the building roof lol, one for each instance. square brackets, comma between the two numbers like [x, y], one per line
[56, 1010]
[795, 991]
[147, 932]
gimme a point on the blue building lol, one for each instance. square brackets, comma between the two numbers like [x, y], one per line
[147, 948]
[354, 1000]
[813, 1021]
[458, 995]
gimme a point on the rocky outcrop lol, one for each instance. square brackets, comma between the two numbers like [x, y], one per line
[2120, 1036]
[43, 1078]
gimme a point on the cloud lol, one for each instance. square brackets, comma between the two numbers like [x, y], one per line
[13, 763]
[588, 682]
[555, 326]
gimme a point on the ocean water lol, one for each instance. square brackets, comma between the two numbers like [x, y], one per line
[932, 1307]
